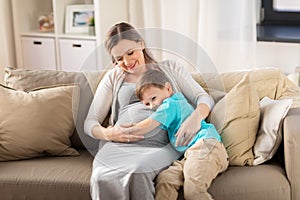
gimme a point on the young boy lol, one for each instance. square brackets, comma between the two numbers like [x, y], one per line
[205, 156]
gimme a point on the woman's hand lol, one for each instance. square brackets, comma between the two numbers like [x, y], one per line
[116, 134]
[191, 125]
[121, 134]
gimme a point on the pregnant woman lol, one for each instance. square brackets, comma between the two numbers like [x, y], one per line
[126, 165]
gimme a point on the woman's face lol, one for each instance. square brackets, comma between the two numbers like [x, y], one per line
[129, 55]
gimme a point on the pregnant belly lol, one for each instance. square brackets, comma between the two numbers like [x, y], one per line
[137, 112]
[133, 113]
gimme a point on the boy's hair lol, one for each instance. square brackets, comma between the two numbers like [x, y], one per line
[151, 78]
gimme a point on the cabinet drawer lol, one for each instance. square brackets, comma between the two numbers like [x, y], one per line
[76, 55]
[38, 53]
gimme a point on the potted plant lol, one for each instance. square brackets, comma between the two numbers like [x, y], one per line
[92, 26]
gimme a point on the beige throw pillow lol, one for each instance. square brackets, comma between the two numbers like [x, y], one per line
[37, 123]
[27, 79]
[270, 135]
[236, 117]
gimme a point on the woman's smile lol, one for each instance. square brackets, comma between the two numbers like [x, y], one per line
[130, 67]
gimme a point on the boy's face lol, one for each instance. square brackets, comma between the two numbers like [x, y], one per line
[154, 96]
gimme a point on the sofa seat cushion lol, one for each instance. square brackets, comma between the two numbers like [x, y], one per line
[56, 178]
[266, 181]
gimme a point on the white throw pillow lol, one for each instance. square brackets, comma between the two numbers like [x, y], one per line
[269, 135]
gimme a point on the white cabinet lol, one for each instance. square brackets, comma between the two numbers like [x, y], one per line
[38, 53]
[25, 19]
[77, 55]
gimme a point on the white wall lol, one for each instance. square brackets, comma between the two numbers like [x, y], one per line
[111, 12]
[7, 52]
[285, 56]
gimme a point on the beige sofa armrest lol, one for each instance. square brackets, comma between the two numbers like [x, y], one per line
[291, 135]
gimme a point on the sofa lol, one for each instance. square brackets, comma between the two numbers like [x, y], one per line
[64, 173]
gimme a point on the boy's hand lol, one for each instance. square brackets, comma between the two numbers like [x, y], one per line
[191, 125]
[130, 128]
[187, 131]
[127, 125]
[140, 129]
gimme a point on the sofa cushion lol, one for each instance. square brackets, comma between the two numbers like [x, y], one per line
[25, 79]
[212, 83]
[46, 178]
[37, 122]
[266, 181]
[269, 135]
[236, 117]
[270, 82]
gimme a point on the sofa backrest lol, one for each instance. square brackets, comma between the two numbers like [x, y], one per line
[268, 82]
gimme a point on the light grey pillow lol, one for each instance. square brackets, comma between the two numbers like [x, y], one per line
[269, 135]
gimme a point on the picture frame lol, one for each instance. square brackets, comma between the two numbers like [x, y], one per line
[77, 18]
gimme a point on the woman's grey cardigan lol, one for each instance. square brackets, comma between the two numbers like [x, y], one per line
[107, 91]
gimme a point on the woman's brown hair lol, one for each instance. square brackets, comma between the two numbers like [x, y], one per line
[126, 31]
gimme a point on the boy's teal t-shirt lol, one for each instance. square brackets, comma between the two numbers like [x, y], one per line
[172, 113]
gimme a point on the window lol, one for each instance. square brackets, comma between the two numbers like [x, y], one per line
[281, 12]
[280, 21]
[286, 5]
